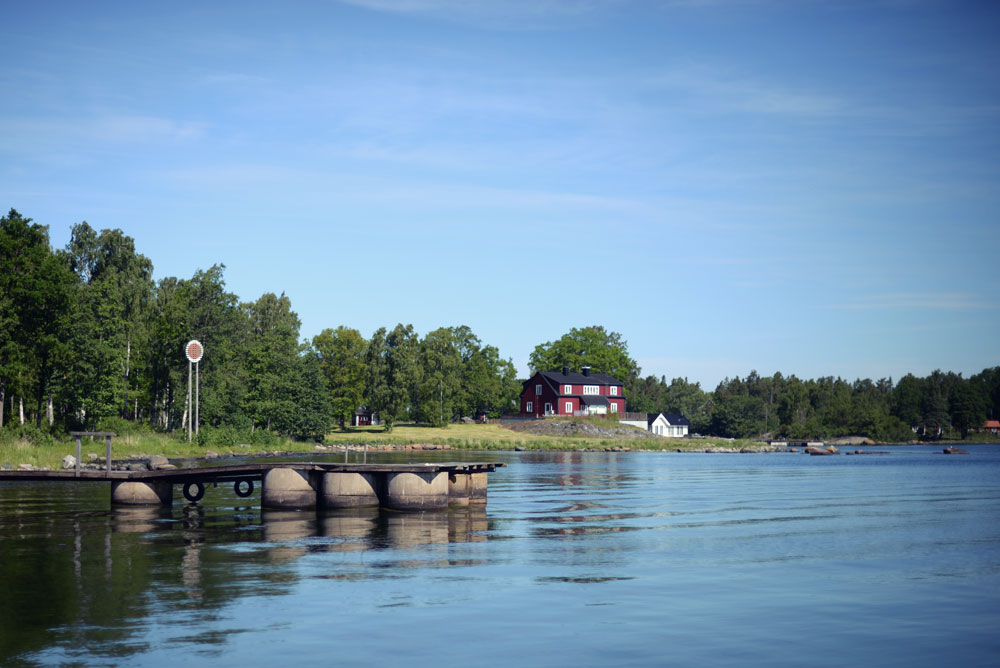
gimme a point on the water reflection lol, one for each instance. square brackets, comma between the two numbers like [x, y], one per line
[80, 579]
[138, 519]
[350, 529]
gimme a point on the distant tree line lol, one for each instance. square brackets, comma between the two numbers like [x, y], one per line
[940, 405]
[88, 339]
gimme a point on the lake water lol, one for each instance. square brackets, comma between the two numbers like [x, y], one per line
[579, 559]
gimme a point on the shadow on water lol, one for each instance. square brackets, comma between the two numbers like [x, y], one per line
[78, 578]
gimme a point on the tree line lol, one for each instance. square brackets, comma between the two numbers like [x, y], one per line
[88, 339]
[939, 405]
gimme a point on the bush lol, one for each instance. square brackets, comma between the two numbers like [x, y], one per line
[27, 432]
[120, 426]
[227, 436]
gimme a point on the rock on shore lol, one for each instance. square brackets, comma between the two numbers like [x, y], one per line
[578, 429]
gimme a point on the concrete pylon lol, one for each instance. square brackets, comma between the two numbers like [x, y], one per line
[288, 489]
[416, 491]
[131, 493]
[350, 490]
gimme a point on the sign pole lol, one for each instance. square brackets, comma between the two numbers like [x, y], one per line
[189, 406]
[193, 351]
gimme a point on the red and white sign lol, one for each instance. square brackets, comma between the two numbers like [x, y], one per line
[194, 350]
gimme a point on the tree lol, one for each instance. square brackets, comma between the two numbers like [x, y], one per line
[645, 395]
[36, 293]
[310, 396]
[738, 416]
[272, 352]
[115, 289]
[491, 383]
[906, 400]
[440, 378]
[686, 398]
[988, 384]
[487, 382]
[934, 403]
[393, 373]
[967, 408]
[198, 308]
[603, 351]
[341, 356]
[793, 407]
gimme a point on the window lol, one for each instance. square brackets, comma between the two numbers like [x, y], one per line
[591, 389]
[528, 407]
[613, 390]
[567, 389]
[569, 407]
[614, 407]
[538, 390]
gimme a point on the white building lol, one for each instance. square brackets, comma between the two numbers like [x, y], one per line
[662, 424]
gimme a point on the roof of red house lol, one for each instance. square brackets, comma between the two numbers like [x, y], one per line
[992, 424]
[573, 378]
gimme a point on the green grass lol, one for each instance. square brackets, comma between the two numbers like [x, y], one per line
[50, 451]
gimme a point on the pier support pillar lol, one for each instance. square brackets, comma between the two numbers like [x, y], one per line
[349, 490]
[131, 493]
[477, 488]
[288, 489]
[416, 491]
[458, 489]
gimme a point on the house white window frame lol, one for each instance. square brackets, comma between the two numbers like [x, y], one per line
[529, 407]
[614, 406]
[569, 408]
[567, 389]
[591, 389]
[613, 390]
[538, 389]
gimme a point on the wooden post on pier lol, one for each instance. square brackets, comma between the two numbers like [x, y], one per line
[77, 436]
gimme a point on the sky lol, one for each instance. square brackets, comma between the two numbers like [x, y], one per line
[810, 187]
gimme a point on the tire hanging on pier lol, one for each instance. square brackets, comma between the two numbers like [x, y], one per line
[240, 492]
[199, 491]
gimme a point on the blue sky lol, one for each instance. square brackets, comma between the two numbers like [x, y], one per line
[806, 187]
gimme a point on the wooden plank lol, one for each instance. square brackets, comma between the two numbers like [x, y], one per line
[244, 471]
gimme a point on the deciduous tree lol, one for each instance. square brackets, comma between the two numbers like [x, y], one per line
[341, 356]
[601, 350]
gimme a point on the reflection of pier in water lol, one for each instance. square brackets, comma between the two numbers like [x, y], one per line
[121, 564]
[289, 534]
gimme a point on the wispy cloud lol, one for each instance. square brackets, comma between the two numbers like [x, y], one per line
[935, 301]
[734, 92]
[110, 128]
[519, 14]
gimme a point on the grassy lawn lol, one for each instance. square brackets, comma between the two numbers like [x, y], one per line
[14, 452]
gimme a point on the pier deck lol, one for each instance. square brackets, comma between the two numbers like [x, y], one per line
[421, 486]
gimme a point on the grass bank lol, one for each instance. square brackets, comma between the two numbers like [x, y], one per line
[49, 452]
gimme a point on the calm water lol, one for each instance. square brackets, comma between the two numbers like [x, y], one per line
[579, 559]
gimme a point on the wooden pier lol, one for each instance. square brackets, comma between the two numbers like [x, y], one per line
[296, 485]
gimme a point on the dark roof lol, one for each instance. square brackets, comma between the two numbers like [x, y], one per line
[594, 400]
[561, 378]
[677, 419]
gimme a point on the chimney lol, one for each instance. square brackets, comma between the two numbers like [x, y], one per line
[585, 370]
[565, 370]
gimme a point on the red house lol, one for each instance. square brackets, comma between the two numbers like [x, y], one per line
[566, 393]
